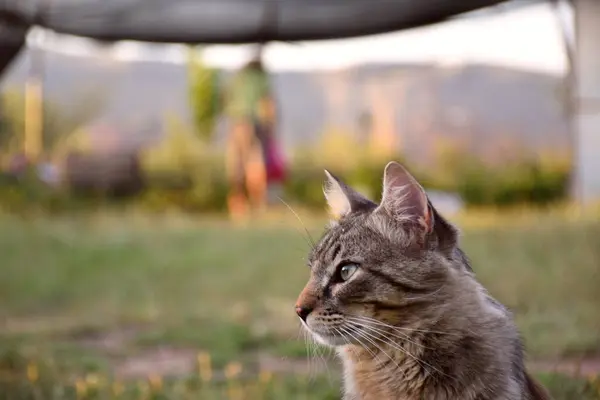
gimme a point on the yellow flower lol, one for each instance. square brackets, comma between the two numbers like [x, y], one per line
[92, 380]
[235, 392]
[155, 382]
[117, 388]
[204, 366]
[143, 387]
[232, 370]
[265, 376]
[32, 372]
[81, 388]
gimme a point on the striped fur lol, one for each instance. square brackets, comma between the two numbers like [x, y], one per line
[411, 322]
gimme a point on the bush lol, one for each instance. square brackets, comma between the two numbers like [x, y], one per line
[28, 195]
[305, 185]
[59, 120]
[526, 181]
[203, 189]
[305, 181]
[203, 95]
[183, 173]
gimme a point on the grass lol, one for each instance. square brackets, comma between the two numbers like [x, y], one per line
[133, 296]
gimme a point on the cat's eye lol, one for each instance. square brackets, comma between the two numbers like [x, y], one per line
[347, 271]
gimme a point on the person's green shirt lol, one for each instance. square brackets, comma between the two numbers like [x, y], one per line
[247, 88]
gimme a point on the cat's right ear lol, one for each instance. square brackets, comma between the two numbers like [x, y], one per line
[342, 199]
[404, 199]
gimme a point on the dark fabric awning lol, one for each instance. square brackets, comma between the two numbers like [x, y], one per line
[221, 21]
[12, 39]
[233, 21]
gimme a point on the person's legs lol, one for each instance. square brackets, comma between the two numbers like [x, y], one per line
[235, 164]
[256, 178]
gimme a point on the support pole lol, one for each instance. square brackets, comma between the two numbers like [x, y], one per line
[34, 113]
[586, 117]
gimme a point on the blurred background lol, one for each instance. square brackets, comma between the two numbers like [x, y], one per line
[143, 186]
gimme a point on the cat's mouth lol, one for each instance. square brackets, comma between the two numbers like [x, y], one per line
[326, 336]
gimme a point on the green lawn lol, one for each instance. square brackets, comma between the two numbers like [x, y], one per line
[133, 296]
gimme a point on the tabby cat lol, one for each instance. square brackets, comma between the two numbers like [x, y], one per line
[393, 293]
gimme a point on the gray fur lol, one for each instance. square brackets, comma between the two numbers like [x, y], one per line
[412, 322]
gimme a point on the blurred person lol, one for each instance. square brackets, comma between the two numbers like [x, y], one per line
[252, 156]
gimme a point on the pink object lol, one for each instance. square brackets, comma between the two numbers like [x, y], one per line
[276, 168]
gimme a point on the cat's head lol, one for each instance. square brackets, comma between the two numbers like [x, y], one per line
[378, 264]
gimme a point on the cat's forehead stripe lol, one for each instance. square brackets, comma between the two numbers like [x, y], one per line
[329, 238]
[330, 246]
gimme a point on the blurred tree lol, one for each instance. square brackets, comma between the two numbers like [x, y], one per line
[77, 141]
[59, 121]
[203, 95]
[178, 153]
[12, 119]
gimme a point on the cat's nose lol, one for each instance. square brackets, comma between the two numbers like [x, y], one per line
[303, 312]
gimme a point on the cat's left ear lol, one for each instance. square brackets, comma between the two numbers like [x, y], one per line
[404, 199]
[342, 199]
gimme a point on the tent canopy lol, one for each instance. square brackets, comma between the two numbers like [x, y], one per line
[233, 21]
[226, 21]
[220, 21]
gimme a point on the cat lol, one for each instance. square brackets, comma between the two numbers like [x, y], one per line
[391, 290]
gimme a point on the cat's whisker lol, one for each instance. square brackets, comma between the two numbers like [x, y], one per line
[408, 353]
[398, 335]
[308, 341]
[301, 331]
[425, 296]
[398, 328]
[403, 349]
[369, 338]
[392, 345]
[360, 342]
[409, 330]
[343, 333]
[320, 351]
[316, 358]
[309, 238]
[313, 356]
[349, 333]
[346, 332]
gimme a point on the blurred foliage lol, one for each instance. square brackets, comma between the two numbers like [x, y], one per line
[23, 378]
[59, 120]
[75, 141]
[27, 194]
[563, 387]
[203, 95]
[183, 172]
[44, 378]
[521, 180]
[336, 151]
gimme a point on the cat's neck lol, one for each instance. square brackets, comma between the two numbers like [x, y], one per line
[383, 370]
[381, 373]
[429, 359]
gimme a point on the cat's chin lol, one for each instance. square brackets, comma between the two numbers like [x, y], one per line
[327, 339]
[330, 340]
